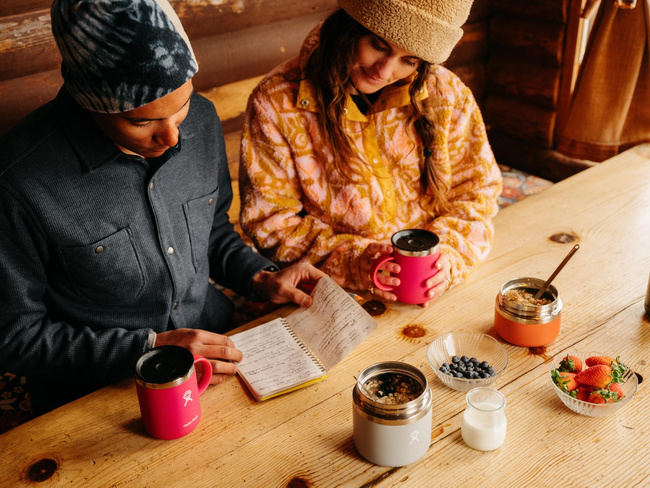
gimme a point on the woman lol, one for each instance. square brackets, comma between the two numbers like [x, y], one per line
[363, 135]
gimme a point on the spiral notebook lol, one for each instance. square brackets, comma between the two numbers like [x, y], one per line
[292, 352]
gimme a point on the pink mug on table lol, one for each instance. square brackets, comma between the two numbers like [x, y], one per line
[168, 392]
[416, 251]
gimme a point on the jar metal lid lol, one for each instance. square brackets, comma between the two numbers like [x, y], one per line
[164, 367]
[415, 242]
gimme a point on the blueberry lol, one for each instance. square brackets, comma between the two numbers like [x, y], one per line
[464, 359]
[490, 371]
[485, 364]
[444, 365]
[473, 361]
[484, 374]
[467, 374]
[455, 359]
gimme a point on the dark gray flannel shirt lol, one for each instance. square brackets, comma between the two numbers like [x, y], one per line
[95, 252]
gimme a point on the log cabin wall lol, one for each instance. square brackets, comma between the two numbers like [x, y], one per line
[469, 57]
[234, 40]
[526, 72]
[511, 56]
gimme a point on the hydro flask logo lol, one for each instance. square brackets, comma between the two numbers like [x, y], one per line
[187, 396]
[414, 437]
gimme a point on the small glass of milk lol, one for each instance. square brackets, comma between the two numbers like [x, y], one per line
[484, 420]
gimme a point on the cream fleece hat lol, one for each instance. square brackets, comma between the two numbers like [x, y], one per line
[428, 29]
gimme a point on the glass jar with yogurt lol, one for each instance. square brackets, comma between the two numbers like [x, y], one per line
[484, 420]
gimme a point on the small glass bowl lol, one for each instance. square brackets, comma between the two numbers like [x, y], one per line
[629, 387]
[471, 344]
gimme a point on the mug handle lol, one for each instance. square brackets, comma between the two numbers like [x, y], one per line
[206, 372]
[375, 268]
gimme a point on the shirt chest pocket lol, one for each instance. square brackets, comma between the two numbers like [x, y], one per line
[199, 214]
[106, 271]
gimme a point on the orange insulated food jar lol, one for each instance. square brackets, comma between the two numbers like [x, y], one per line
[521, 319]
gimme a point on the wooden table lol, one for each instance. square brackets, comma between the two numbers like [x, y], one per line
[305, 438]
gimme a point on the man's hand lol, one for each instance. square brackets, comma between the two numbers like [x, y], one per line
[284, 286]
[218, 349]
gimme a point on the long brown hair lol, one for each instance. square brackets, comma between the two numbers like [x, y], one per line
[328, 68]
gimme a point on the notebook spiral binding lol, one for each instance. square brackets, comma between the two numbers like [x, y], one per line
[303, 346]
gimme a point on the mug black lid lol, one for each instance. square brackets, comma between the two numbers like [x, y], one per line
[164, 364]
[415, 241]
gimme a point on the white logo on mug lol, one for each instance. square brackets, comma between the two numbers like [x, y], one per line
[187, 396]
[414, 437]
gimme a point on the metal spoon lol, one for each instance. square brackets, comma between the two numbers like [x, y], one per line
[557, 270]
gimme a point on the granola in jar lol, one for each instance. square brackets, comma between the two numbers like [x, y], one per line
[524, 296]
[392, 388]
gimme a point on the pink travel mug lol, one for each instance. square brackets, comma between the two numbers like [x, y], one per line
[165, 379]
[416, 251]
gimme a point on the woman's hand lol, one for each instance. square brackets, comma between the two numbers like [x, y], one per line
[441, 281]
[437, 284]
[366, 262]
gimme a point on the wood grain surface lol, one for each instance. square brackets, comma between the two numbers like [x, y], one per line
[305, 438]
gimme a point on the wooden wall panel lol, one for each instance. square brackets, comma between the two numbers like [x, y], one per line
[535, 158]
[16, 7]
[469, 56]
[519, 119]
[210, 17]
[234, 41]
[524, 80]
[473, 75]
[473, 46]
[27, 45]
[19, 96]
[480, 10]
[226, 58]
[538, 10]
[29, 71]
[539, 42]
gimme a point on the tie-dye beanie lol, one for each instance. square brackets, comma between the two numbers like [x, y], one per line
[119, 55]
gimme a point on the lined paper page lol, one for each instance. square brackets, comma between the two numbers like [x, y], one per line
[274, 359]
[334, 324]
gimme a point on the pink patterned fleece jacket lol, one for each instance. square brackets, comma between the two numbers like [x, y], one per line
[297, 206]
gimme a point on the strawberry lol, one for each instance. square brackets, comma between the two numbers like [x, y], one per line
[582, 393]
[618, 368]
[611, 394]
[594, 360]
[564, 380]
[570, 364]
[598, 376]
[616, 388]
[600, 396]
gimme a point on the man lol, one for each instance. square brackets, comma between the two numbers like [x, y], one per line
[113, 205]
